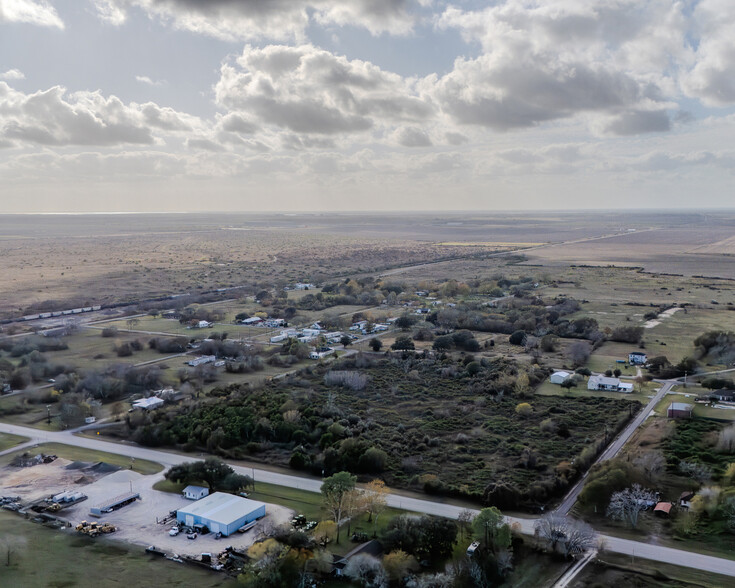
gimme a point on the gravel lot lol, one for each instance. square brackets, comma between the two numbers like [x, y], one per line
[136, 522]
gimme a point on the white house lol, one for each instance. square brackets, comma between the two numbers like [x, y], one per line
[603, 383]
[303, 286]
[321, 352]
[275, 322]
[333, 337]
[203, 325]
[148, 403]
[201, 360]
[637, 358]
[252, 321]
[560, 377]
[625, 387]
[279, 338]
[195, 492]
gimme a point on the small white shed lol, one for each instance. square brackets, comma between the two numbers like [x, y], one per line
[196, 492]
[560, 377]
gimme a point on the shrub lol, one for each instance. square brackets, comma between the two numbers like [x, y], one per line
[517, 338]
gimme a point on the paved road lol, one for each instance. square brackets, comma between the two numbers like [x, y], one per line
[612, 544]
[572, 572]
[614, 447]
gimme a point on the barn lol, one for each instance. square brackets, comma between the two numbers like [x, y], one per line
[560, 377]
[221, 513]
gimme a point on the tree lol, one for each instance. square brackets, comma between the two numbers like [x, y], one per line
[627, 504]
[426, 537]
[367, 571]
[11, 545]
[579, 352]
[212, 471]
[524, 409]
[522, 386]
[464, 519]
[345, 340]
[443, 343]
[132, 322]
[490, 526]
[335, 495]
[651, 463]
[376, 344]
[399, 564]
[566, 535]
[376, 496]
[517, 338]
[403, 342]
[404, 322]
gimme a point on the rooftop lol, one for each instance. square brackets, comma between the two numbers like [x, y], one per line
[221, 507]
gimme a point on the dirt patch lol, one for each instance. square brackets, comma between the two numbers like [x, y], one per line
[661, 317]
[39, 481]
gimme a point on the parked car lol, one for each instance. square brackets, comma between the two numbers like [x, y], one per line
[191, 536]
[174, 531]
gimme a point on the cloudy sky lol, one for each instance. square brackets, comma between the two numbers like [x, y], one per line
[157, 105]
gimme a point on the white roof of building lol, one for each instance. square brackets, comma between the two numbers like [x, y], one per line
[221, 508]
[625, 386]
[561, 374]
[605, 381]
[148, 402]
[191, 488]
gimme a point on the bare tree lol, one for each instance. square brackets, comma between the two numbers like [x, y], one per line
[726, 440]
[566, 535]
[367, 571]
[579, 353]
[627, 504]
[376, 493]
[11, 545]
[464, 519]
[132, 322]
[652, 463]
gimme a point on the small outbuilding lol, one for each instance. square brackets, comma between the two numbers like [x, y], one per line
[685, 499]
[221, 513]
[679, 410]
[559, 377]
[663, 509]
[195, 492]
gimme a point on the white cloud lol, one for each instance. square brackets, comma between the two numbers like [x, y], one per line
[12, 74]
[148, 81]
[53, 117]
[38, 12]
[269, 19]
[411, 137]
[309, 90]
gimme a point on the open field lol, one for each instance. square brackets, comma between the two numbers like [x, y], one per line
[611, 569]
[106, 562]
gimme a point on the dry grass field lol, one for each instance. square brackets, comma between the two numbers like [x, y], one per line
[104, 258]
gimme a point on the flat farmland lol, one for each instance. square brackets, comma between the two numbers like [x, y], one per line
[681, 250]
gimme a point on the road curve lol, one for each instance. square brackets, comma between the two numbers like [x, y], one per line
[612, 544]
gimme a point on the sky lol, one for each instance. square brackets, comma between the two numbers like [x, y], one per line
[354, 105]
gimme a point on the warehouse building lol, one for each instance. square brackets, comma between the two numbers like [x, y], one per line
[221, 513]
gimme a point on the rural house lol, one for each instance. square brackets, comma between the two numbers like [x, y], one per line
[637, 358]
[608, 384]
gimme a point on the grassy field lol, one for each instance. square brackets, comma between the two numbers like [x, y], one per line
[612, 569]
[549, 389]
[69, 452]
[49, 558]
[7, 440]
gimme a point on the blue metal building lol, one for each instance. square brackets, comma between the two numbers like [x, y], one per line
[221, 513]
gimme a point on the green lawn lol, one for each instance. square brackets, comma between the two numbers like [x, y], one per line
[69, 452]
[7, 440]
[549, 389]
[49, 558]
